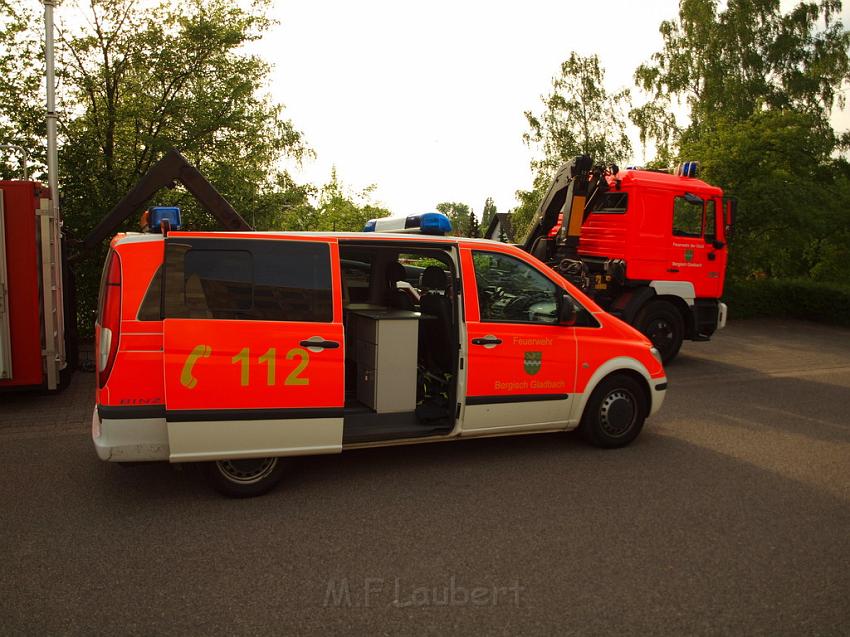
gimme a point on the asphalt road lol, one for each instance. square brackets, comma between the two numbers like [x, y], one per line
[730, 514]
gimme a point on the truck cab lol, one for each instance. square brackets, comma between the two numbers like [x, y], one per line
[648, 246]
[237, 349]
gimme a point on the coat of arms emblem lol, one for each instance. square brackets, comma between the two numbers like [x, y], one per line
[533, 361]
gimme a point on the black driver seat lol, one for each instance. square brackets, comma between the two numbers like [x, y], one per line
[435, 334]
[396, 298]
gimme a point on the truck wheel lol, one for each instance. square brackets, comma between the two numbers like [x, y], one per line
[615, 413]
[244, 478]
[662, 324]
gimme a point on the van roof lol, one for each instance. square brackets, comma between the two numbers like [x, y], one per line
[368, 236]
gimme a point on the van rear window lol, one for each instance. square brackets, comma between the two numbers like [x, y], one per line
[259, 280]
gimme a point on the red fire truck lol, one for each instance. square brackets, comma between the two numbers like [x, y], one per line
[649, 247]
[35, 343]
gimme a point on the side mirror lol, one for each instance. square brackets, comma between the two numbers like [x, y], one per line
[730, 211]
[568, 312]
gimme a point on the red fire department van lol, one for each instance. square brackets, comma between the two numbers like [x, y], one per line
[239, 348]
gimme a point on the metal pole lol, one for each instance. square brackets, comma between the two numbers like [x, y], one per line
[51, 225]
[52, 155]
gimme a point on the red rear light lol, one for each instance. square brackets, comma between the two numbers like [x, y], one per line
[109, 319]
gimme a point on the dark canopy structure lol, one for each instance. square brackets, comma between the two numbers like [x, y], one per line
[173, 167]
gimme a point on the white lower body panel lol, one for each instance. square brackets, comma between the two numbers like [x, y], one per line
[130, 439]
[519, 416]
[232, 439]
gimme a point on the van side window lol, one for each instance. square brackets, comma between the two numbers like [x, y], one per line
[511, 291]
[219, 281]
[687, 218]
[248, 280]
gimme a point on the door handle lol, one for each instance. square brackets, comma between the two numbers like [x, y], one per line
[712, 256]
[317, 344]
[487, 341]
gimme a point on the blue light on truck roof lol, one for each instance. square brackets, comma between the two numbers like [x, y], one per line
[687, 169]
[370, 225]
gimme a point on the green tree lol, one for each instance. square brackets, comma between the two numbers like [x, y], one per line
[458, 214]
[750, 56]
[474, 229]
[136, 79]
[339, 209]
[22, 108]
[793, 197]
[522, 214]
[579, 117]
[171, 75]
[758, 85]
[487, 212]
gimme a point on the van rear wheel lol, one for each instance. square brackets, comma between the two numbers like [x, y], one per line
[615, 413]
[244, 478]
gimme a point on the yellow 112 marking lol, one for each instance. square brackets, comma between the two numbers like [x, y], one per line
[269, 359]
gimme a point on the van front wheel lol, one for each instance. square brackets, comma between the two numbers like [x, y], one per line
[244, 478]
[615, 413]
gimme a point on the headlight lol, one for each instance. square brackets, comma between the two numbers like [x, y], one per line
[656, 354]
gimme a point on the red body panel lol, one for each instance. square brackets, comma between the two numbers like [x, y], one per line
[20, 205]
[500, 371]
[643, 236]
[235, 370]
[136, 377]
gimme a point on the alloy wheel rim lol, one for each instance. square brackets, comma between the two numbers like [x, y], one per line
[618, 413]
[248, 471]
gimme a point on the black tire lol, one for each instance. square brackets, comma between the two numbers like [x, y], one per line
[245, 478]
[615, 413]
[662, 324]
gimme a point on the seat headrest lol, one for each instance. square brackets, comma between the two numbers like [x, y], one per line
[434, 278]
[396, 272]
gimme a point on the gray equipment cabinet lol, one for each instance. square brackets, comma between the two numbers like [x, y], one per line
[385, 350]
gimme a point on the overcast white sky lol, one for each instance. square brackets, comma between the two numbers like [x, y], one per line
[426, 99]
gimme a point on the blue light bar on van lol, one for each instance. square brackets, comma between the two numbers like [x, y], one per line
[165, 213]
[424, 223]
